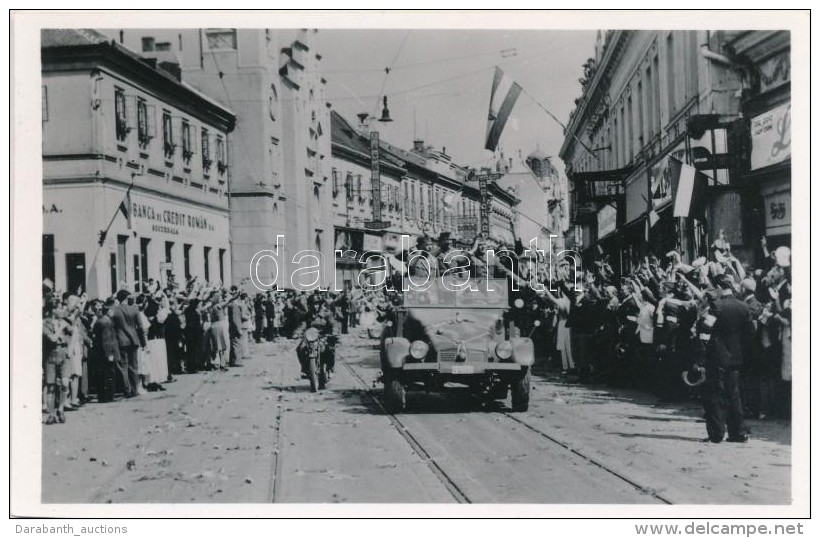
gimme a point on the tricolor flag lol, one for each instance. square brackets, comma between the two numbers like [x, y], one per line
[504, 94]
[124, 208]
[692, 187]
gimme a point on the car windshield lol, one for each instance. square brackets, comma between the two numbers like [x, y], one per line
[454, 293]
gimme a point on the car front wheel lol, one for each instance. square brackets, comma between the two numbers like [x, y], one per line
[394, 396]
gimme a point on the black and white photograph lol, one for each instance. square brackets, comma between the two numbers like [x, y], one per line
[291, 263]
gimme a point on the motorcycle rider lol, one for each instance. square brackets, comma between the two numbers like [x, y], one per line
[321, 318]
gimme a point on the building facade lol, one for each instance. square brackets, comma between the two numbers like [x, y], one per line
[764, 58]
[279, 177]
[422, 193]
[638, 93]
[135, 173]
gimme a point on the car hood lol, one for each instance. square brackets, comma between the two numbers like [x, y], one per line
[447, 327]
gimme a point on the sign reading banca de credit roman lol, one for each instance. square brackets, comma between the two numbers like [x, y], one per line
[155, 216]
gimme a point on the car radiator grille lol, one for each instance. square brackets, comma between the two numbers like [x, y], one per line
[473, 355]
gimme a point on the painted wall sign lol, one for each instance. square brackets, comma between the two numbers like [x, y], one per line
[771, 137]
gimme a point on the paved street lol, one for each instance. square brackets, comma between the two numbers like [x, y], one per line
[257, 435]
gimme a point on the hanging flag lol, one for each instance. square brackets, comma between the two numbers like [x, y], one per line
[124, 208]
[502, 99]
[692, 188]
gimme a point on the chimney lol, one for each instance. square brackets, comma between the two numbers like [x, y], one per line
[173, 68]
[418, 146]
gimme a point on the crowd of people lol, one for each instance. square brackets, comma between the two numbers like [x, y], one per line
[133, 343]
[663, 327]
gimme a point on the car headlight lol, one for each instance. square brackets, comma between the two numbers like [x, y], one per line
[312, 334]
[418, 349]
[504, 350]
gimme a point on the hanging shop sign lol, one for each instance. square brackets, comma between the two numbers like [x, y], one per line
[775, 71]
[607, 218]
[771, 137]
[486, 201]
[778, 212]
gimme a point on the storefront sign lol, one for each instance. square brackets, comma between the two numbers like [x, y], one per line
[771, 137]
[607, 218]
[168, 220]
[375, 176]
[775, 71]
[778, 212]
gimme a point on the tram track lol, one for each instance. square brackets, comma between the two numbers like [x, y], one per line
[453, 487]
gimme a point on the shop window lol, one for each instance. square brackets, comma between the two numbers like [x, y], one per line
[119, 114]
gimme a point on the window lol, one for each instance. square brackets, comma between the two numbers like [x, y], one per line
[119, 114]
[692, 50]
[221, 157]
[616, 144]
[641, 135]
[359, 187]
[349, 186]
[221, 39]
[406, 199]
[142, 122]
[430, 203]
[163, 46]
[206, 151]
[45, 103]
[148, 44]
[188, 142]
[222, 266]
[670, 73]
[167, 135]
[628, 124]
[650, 121]
[335, 175]
[656, 96]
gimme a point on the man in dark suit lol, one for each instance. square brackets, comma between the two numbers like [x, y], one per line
[235, 329]
[130, 336]
[106, 355]
[731, 336]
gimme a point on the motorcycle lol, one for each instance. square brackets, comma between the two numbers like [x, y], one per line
[317, 355]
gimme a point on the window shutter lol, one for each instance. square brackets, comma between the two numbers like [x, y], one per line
[131, 112]
[151, 120]
[194, 140]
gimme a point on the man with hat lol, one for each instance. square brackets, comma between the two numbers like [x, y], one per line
[416, 258]
[105, 355]
[731, 336]
[130, 336]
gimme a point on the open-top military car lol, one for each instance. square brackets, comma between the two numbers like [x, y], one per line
[441, 337]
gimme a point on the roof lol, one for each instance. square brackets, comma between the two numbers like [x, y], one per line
[79, 45]
[70, 37]
[537, 154]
